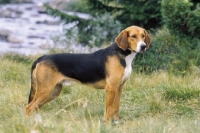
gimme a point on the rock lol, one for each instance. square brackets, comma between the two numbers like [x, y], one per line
[41, 9]
[58, 4]
[17, 11]
[10, 13]
[48, 22]
[29, 8]
[51, 22]
[44, 46]
[35, 36]
[32, 28]
[31, 43]
[5, 33]
[16, 46]
[22, 1]
[40, 22]
[13, 39]
[6, 14]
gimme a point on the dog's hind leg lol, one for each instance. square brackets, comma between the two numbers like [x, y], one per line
[42, 96]
[56, 92]
[47, 87]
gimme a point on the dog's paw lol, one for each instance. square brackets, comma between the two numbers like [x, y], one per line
[116, 122]
[38, 118]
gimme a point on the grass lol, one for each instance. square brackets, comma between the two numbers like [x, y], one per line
[154, 103]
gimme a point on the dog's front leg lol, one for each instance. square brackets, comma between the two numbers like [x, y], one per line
[110, 95]
[110, 98]
[117, 103]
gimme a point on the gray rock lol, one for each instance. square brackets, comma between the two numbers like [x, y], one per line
[51, 22]
[5, 33]
[22, 1]
[13, 39]
[41, 9]
[35, 36]
[16, 46]
[6, 13]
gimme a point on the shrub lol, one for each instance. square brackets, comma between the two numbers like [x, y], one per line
[173, 53]
[77, 6]
[4, 1]
[144, 13]
[179, 17]
[95, 31]
[177, 48]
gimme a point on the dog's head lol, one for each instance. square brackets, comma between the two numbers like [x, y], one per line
[134, 38]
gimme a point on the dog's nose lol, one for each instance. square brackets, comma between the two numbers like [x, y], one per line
[143, 47]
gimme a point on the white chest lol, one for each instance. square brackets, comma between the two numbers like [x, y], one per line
[128, 68]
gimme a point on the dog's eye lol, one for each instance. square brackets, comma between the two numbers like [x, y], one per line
[143, 36]
[134, 36]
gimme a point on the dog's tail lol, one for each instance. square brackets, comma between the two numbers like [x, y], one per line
[33, 83]
[33, 89]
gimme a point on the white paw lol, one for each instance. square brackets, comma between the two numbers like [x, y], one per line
[38, 118]
[116, 122]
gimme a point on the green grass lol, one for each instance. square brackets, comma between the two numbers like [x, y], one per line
[154, 103]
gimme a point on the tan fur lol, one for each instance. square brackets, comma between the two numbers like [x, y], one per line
[98, 85]
[113, 80]
[45, 77]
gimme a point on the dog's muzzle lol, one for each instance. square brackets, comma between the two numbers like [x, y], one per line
[143, 47]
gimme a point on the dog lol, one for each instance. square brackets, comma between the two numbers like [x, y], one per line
[107, 69]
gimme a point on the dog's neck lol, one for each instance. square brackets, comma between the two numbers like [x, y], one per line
[120, 51]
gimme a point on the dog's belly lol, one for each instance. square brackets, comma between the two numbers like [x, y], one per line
[66, 83]
[97, 84]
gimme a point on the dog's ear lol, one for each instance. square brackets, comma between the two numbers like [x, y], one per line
[122, 40]
[147, 39]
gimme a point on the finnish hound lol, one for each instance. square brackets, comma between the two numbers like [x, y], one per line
[107, 69]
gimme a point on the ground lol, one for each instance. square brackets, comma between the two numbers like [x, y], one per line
[158, 102]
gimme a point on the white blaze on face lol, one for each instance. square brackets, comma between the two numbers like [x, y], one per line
[139, 45]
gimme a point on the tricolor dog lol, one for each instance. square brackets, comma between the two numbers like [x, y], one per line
[107, 69]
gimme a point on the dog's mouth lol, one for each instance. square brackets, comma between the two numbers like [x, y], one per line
[141, 51]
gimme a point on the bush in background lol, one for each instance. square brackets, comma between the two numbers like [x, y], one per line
[4, 1]
[144, 13]
[179, 17]
[174, 53]
[175, 48]
[96, 31]
[77, 6]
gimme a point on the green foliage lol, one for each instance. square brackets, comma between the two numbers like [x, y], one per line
[144, 13]
[181, 94]
[96, 31]
[18, 58]
[179, 17]
[185, 110]
[176, 49]
[4, 1]
[174, 53]
[155, 107]
[77, 6]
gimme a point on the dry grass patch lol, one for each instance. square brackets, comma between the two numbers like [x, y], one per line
[158, 102]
